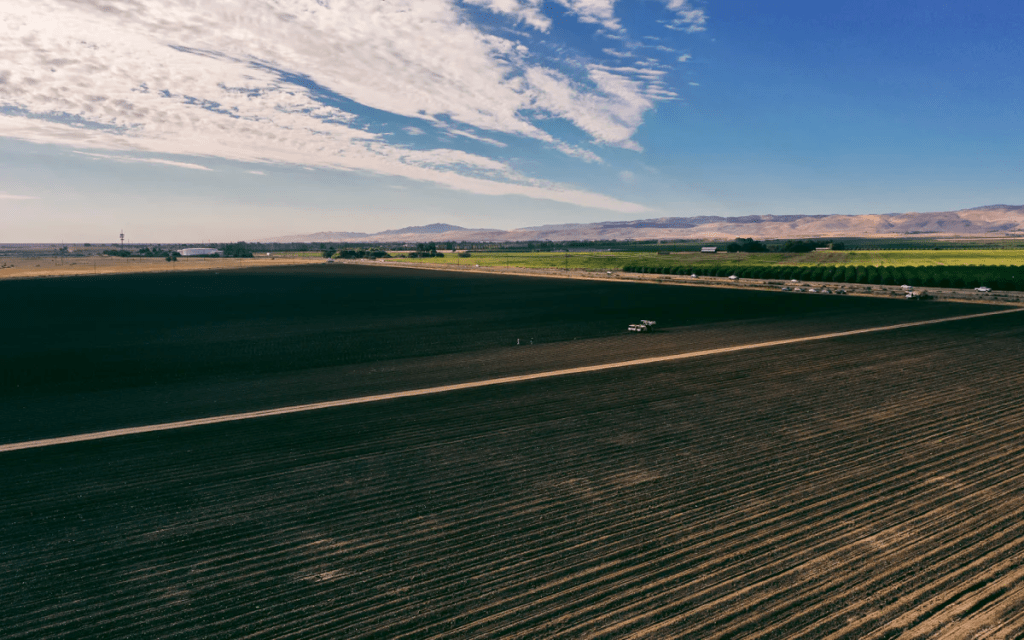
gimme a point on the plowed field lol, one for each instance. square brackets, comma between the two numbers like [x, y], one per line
[82, 354]
[866, 486]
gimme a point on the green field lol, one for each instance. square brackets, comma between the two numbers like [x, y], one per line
[607, 260]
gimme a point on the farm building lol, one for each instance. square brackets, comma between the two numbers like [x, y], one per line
[198, 251]
[709, 249]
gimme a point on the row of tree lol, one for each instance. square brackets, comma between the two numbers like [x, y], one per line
[749, 245]
[746, 245]
[144, 252]
[426, 250]
[966, 277]
[355, 254]
[236, 250]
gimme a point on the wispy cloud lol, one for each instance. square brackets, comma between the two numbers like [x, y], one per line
[472, 136]
[618, 54]
[525, 11]
[600, 12]
[284, 81]
[685, 57]
[583, 154]
[132, 159]
[12, 196]
[687, 18]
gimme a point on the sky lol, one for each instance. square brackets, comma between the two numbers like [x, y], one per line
[189, 121]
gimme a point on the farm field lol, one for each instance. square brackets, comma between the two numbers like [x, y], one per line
[609, 260]
[860, 487]
[96, 353]
[744, 499]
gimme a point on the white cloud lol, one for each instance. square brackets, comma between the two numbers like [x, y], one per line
[610, 115]
[171, 163]
[687, 18]
[12, 196]
[618, 54]
[247, 81]
[257, 173]
[583, 154]
[473, 136]
[694, 84]
[527, 12]
[600, 12]
[685, 57]
[414, 131]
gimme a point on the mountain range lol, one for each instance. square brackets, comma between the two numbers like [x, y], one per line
[992, 220]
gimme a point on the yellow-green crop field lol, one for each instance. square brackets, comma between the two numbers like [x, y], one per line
[597, 261]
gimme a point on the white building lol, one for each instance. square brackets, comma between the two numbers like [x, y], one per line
[198, 251]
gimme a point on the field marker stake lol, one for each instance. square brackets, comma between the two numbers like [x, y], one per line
[330, 404]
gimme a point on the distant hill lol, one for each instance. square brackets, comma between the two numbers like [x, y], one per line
[990, 220]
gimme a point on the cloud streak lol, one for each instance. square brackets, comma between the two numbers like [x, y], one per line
[132, 159]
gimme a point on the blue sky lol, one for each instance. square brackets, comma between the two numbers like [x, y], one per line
[185, 121]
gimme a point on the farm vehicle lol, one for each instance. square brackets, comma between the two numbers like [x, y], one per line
[645, 326]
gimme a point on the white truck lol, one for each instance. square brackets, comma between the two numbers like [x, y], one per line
[644, 326]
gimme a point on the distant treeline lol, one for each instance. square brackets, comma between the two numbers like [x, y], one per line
[641, 246]
[906, 244]
[144, 252]
[742, 245]
[236, 250]
[969, 277]
[230, 250]
[425, 250]
[355, 254]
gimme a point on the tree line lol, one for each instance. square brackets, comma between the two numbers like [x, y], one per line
[144, 252]
[426, 250]
[355, 254]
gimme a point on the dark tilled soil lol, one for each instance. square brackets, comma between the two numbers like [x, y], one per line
[862, 487]
[104, 352]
